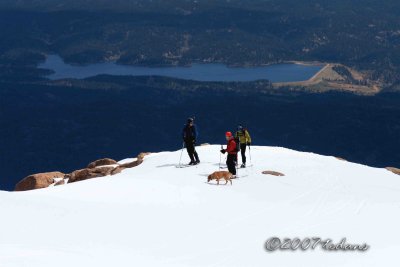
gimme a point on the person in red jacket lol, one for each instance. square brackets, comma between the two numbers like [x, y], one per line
[232, 152]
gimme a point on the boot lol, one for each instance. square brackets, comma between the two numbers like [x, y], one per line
[197, 158]
[192, 161]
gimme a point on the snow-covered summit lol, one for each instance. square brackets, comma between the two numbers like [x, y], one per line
[158, 215]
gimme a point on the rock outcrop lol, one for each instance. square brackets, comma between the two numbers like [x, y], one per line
[101, 162]
[138, 161]
[100, 169]
[39, 180]
[85, 174]
[95, 169]
[117, 170]
[273, 173]
[394, 170]
[61, 182]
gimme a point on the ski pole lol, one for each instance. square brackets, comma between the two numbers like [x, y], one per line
[180, 158]
[250, 155]
[237, 165]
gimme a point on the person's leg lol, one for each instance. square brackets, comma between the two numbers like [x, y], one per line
[238, 149]
[190, 149]
[230, 162]
[233, 165]
[243, 151]
[196, 155]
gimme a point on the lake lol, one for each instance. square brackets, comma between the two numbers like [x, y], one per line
[197, 71]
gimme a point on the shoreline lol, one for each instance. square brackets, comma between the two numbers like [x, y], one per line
[326, 79]
[258, 72]
[188, 64]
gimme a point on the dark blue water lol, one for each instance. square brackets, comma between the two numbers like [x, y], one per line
[198, 72]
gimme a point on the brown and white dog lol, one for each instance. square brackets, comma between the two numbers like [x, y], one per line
[221, 175]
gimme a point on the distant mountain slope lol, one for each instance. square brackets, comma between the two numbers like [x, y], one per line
[158, 215]
[364, 35]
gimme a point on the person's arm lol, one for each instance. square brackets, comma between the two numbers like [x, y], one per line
[183, 133]
[223, 150]
[248, 138]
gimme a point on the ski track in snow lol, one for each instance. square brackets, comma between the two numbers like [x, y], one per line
[159, 215]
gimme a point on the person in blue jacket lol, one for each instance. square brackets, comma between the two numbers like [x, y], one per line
[189, 135]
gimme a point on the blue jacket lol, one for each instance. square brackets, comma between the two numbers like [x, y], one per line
[189, 133]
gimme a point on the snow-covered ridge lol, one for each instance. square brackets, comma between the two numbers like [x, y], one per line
[158, 215]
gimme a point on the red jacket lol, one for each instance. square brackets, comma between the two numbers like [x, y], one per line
[231, 147]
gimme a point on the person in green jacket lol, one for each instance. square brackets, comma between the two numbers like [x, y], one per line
[244, 139]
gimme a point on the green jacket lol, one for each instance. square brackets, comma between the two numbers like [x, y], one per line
[243, 136]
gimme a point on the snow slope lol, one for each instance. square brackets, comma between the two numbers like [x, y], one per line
[159, 215]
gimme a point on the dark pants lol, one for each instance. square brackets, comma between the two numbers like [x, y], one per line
[191, 150]
[230, 162]
[243, 152]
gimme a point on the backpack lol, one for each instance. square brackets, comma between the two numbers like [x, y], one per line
[237, 140]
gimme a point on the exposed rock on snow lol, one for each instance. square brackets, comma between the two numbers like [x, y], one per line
[142, 155]
[101, 162]
[138, 161]
[37, 181]
[134, 163]
[394, 170]
[95, 169]
[61, 182]
[131, 164]
[127, 160]
[273, 173]
[117, 170]
[87, 173]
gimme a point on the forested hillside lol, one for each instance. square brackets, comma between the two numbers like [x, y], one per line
[361, 34]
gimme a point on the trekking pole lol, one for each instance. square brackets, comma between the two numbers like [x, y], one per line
[237, 165]
[180, 158]
[250, 155]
